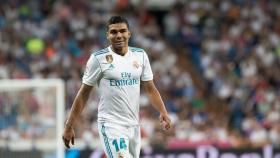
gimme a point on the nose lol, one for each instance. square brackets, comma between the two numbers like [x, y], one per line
[118, 36]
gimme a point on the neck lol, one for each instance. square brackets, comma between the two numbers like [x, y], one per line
[122, 51]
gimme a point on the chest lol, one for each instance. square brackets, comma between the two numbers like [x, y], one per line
[117, 67]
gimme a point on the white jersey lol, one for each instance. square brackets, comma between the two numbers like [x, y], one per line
[118, 80]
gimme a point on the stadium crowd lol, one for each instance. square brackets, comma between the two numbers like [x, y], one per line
[233, 45]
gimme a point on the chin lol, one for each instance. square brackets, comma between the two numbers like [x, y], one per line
[118, 46]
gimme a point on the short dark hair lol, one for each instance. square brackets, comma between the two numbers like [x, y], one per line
[117, 19]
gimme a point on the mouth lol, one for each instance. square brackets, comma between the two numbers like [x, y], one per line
[119, 43]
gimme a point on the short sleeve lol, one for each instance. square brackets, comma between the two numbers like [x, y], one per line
[92, 72]
[147, 73]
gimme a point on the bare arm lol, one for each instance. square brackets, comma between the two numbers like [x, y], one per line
[78, 105]
[76, 109]
[156, 101]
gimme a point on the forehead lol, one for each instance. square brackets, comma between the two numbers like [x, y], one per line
[117, 26]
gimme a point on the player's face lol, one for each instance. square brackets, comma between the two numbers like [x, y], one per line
[118, 35]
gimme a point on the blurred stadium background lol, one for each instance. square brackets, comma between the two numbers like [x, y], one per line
[216, 63]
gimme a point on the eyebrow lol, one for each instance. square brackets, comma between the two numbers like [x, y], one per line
[118, 30]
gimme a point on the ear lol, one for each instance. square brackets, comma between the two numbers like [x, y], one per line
[129, 34]
[107, 35]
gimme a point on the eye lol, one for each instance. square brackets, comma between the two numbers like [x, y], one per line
[113, 31]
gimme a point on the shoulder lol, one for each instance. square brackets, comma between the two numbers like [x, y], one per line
[136, 50]
[139, 53]
[101, 52]
[99, 55]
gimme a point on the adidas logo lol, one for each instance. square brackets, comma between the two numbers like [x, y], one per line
[111, 66]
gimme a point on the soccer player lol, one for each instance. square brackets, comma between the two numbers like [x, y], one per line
[117, 71]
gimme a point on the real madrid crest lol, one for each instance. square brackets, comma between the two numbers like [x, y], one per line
[135, 64]
[109, 58]
[120, 155]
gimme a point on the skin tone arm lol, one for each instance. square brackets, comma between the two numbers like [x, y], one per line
[76, 109]
[157, 102]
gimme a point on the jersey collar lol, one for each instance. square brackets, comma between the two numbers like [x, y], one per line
[126, 54]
